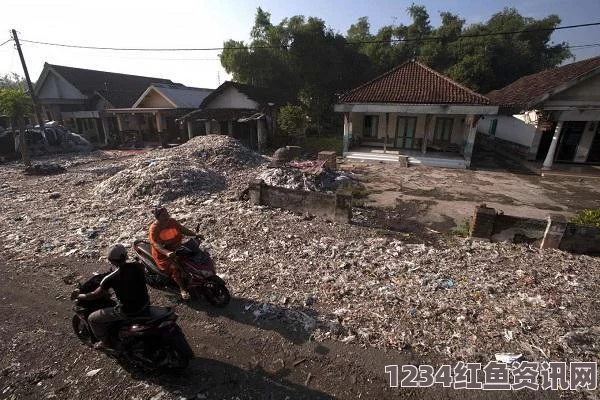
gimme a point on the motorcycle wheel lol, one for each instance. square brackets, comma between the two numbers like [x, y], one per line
[216, 294]
[82, 330]
[178, 353]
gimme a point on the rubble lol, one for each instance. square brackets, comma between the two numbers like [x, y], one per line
[453, 300]
[308, 176]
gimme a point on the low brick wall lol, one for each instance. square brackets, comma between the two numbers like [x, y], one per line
[334, 207]
[488, 224]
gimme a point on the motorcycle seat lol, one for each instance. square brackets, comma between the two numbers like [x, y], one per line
[144, 248]
[152, 313]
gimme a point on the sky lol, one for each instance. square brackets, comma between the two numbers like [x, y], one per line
[201, 24]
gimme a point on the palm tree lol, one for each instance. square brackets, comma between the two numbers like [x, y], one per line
[15, 103]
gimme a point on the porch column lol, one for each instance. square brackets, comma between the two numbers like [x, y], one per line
[120, 122]
[550, 156]
[230, 128]
[207, 127]
[261, 135]
[385, 137]
[425, 133]
[470, 139]
[95, 128]
[346, 133]
[159, 129]
[190, 128]
[105, 129]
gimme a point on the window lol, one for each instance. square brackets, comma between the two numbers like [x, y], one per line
[443, 129]
[370, 126]
[493, 125]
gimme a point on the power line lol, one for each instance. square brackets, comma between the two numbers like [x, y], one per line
[3, 43]
[288, 45]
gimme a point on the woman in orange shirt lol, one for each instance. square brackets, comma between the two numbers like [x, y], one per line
[166, 235]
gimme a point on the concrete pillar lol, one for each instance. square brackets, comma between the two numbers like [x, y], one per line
[120, 122]
[190, 129]
[105, 129]
[95, 128]
[207, 127]
[470, 142]
[346, 132]
[552, 150]
[230, 128]
[385, 132]
[261, 133]
[159, 129]
[425, 133]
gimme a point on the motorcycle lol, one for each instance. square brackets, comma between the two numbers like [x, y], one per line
[198, 272]
[151, 339]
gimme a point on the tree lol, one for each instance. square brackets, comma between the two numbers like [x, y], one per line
[11, 80]
[15, 103]
[291, 120]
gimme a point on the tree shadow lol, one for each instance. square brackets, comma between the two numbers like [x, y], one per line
[211, 379]
[296, 324]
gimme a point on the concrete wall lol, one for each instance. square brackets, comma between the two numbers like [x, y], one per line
[588, 90]
[330, 206]
[458, 127]
[232, 98]
[488, 224]
[510, 128]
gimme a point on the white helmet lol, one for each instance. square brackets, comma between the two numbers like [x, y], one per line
[117, 253]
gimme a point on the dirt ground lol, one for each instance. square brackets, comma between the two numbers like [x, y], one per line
[441, 198]
[236, 357]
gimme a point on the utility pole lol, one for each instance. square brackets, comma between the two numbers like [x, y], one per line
[36, 107]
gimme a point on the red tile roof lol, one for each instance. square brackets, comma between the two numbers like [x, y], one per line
[525, 90]
[413, 83]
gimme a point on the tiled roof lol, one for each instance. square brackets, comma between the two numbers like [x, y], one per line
[525, 90]
[184, 96]
[261, 95]
[413, 83]
[121, 90]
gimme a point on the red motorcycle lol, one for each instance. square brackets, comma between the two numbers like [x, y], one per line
[198, 272]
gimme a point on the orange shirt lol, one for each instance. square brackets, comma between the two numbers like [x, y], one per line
[169, 237]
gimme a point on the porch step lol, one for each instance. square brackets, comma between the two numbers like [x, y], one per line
[412, 161]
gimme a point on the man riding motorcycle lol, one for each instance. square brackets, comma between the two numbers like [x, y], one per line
[129, 285]
[166, 235]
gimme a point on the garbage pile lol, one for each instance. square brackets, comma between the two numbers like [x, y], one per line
[158, 180]
[219, 152]
[56, 139]
[308, 176]
[456, 300]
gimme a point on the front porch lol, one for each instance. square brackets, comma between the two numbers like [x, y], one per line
[413, 157]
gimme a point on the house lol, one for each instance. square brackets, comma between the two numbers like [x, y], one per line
[78, 98]
[551, 116]
[415, 112]
[245, 112]
[156, 110]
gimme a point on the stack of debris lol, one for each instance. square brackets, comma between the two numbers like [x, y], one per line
[56, 139]
[307, 175]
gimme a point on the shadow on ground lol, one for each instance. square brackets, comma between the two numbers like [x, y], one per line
[211, 379]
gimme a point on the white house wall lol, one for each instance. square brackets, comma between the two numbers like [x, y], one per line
[511, 128]
[587, 91]
[155, 100]
[232, 98]
[57, 88]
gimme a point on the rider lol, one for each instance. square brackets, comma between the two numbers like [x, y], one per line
[129, 284]
[166, 235]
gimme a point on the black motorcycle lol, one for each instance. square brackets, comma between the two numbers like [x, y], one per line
[151, 339]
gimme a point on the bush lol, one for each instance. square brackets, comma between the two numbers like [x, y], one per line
[587, 217]
[291, 120]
